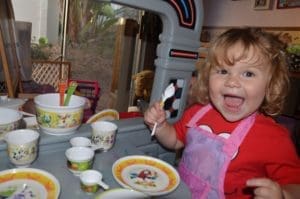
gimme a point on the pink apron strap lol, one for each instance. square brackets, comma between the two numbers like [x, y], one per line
[239, 133]
[198, 115]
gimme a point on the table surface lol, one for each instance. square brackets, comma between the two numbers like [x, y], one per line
[55, 163]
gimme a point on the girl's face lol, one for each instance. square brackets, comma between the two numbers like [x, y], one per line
[237, 91]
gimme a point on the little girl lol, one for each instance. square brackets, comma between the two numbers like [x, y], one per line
[232, 146]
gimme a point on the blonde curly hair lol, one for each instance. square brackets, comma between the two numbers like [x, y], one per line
[270, 48]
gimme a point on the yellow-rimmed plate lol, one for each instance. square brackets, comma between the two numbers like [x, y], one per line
[29, 183]
[106, 114]
[146, 174]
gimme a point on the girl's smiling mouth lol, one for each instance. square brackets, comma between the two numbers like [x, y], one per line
[233, 103]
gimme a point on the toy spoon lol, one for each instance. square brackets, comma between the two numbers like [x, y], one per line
[20, 192]
[169, 91]
[70, 91]
[62, 85]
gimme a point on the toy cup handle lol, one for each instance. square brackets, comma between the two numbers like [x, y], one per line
[102, 184]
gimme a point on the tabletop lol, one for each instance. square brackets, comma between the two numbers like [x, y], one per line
[54, 162]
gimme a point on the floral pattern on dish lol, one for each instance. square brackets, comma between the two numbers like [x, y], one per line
[8, 127]
[59, 120]
[20, 152]
[103, 139]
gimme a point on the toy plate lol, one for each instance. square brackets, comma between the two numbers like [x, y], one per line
[28, 183]
[146, 174]
[107, 114]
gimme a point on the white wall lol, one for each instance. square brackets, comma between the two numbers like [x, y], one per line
[53, 21]
[241, 13]
[31, 11]
[36, 12]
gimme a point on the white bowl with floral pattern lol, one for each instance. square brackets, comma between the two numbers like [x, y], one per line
[10, 119]
[59, 120]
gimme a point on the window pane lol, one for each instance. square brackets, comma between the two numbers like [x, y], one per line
[110, 44]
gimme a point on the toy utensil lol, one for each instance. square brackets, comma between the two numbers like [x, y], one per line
[19, 193]
[90, 177]
[103, 185]
[70, 91]
[62, 86]
[169, 92]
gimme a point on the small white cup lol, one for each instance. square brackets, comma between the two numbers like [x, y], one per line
[103, 134]
[22, 146]
[79, 159]
[84, 142]
[90, 180]
[80, 141]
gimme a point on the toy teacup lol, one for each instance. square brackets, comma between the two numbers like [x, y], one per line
[90, 180]
[22, 146]
[80, 142]
[84, 142]
[79, 159]
[103, 134]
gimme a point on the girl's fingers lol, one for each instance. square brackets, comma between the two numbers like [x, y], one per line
[258, 182]
[265, 188]
[154, 114]
[261, 192]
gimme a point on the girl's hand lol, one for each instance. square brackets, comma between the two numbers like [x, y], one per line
[265, 188]
[154, 114]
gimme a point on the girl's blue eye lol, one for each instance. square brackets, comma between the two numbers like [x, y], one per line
[248, 74]
[222, 71]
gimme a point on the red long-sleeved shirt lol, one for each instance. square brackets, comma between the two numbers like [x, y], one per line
[266, 151]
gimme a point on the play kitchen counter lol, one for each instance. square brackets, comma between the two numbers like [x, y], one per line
[52, 158]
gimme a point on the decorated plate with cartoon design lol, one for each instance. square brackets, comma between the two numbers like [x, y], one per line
[28, 183]
[146, 174]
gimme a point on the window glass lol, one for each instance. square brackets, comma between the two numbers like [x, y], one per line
[110, 44]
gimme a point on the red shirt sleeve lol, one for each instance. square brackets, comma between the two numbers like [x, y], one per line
[280, 156]
[267, 151]
[284, 161]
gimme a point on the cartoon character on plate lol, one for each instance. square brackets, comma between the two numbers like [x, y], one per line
[145, 177]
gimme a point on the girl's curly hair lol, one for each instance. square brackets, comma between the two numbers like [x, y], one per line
[268, 46]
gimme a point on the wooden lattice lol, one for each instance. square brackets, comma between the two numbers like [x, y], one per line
[49, 72]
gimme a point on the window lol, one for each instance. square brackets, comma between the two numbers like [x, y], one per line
[104, 42]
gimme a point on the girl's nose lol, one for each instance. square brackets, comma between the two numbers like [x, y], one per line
[232, 81]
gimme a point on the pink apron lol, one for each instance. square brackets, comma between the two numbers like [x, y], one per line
[206, 157]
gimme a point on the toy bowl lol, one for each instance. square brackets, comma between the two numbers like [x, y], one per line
[10, 119]
[55, 119]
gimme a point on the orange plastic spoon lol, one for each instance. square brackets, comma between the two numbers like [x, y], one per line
[62, 86]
